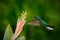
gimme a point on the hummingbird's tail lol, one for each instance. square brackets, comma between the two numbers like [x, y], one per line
[49, 27]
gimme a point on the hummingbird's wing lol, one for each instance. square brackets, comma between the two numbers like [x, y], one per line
[34, 22]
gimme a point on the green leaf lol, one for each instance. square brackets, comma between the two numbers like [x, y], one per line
[21, 38]
[8, 33]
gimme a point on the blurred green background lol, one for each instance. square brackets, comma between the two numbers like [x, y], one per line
[49, 10]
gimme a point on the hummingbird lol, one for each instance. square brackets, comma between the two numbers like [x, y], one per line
[37, 21]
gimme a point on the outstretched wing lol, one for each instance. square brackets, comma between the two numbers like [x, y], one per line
[34, 22]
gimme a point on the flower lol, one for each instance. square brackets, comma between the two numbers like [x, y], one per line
[20, 23]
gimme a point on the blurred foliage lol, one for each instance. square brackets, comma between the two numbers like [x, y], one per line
[49, 10]
[8, 33]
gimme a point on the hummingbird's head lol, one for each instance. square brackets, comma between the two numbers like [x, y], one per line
[37, 17]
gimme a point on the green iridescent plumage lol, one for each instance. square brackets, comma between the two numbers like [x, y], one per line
[41, 21]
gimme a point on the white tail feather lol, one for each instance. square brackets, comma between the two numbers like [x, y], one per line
[49, 28]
